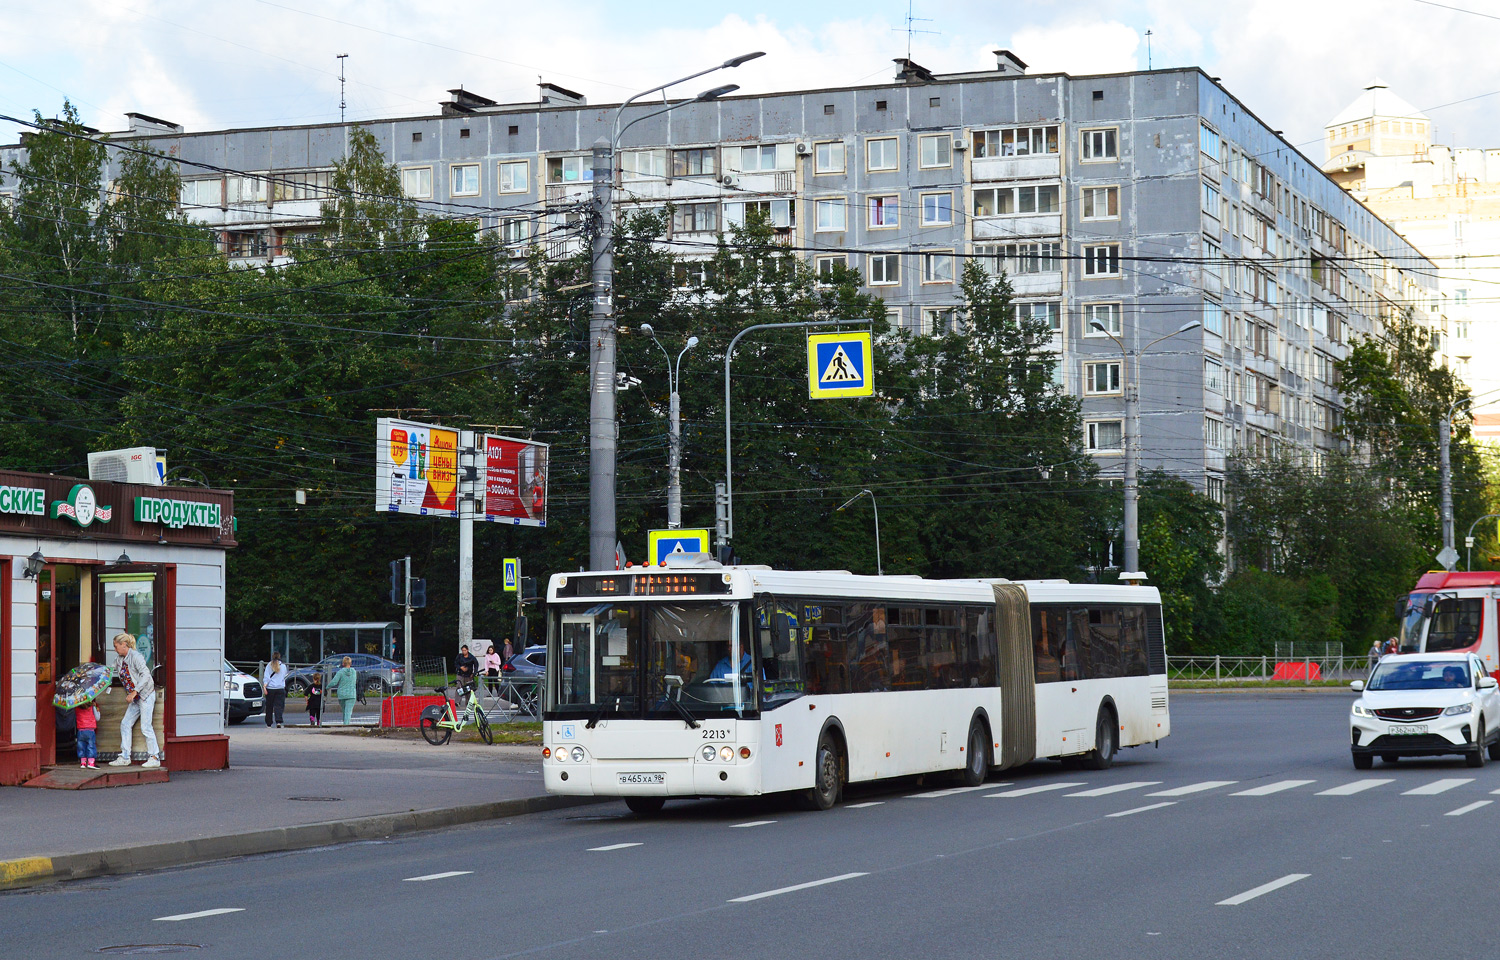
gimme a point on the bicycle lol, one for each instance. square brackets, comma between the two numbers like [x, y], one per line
[439, 723]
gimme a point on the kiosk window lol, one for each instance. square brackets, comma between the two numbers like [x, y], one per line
[129, 602]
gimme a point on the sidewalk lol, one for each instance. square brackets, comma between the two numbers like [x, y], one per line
[285, 789]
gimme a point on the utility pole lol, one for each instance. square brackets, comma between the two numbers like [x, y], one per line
[674, 427]
[602, 427]
[342, 102]
[468, 493]
[1445, 432]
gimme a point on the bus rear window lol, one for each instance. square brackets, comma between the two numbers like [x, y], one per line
[1455, 624]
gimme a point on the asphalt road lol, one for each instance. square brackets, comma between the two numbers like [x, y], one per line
[1226, 841]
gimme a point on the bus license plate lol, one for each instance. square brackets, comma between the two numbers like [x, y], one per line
[642, 778]
[1408, 729]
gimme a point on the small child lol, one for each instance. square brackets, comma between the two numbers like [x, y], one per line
[315, 703]
[86, 719]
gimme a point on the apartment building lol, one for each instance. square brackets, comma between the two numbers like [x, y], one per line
[1133, 202]
[1446, 202]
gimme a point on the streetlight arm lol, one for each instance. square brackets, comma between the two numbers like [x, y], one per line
[731, 62]
[1182, 329]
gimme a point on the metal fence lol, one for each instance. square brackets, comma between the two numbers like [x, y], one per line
[1239, 669]
[374, 686]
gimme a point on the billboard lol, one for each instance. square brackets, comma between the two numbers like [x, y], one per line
[515, 481]
[416, 468]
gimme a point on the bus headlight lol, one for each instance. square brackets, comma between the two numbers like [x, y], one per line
[708, 751]
[726, 753]
[578, 754]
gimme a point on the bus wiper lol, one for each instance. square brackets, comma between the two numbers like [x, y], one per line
[595, 717]
[677, 704]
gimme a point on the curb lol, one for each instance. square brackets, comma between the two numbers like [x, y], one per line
[31, 871]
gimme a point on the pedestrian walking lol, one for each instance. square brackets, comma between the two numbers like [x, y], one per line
[492, 670]
[315, 701]
[273, 678]
[509, 652]
[140, 697]
[345, 686]
[86, 722]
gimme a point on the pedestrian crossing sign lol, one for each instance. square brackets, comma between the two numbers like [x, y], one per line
[662, 543]
[840, 365]
[510, 569]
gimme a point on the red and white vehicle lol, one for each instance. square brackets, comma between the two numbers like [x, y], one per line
[1453, 612]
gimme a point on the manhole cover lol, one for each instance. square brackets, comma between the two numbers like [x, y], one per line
[134, 949]
[318, 799]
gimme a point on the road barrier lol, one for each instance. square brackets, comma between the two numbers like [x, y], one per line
[1267, 668]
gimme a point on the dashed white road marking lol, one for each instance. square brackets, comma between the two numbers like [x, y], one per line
[1028, 791]
[612, 846]
[438, 876]
[861, 806]
[202, 913]
[1437, 786]
[1115, 788]
[797, 886]
[1153, 806]
[1271, 788]
[951, 791]
[1193, 788]
[1470, 808]
[752, 823]
[1262, 890]
[1349, 789]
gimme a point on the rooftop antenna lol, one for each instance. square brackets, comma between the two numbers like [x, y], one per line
[910, 19]
[1148, 49]
[342, 103]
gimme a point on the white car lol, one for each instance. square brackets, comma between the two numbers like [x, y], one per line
[243, 696]
[1425, 705]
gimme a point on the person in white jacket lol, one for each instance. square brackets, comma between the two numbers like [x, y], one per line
[140, 694]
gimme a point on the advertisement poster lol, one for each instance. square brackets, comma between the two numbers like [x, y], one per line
[416, 468]
[515, 481]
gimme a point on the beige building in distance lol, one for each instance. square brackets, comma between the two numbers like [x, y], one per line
[1446, 203]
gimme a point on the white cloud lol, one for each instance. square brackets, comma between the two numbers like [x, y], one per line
[1078, 47]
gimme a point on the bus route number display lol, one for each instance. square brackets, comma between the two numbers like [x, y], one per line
[644, 585]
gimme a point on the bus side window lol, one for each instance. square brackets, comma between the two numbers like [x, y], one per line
[776, 633]
[869, 656]
[1048, 636]
[827, 653]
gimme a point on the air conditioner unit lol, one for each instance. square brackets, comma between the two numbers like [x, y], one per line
[803, 148]
[132, 465]
[959, 146]
[729, 180]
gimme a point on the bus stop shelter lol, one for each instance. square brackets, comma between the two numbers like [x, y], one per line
[311, 642]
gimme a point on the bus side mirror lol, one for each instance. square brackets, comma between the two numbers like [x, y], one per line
[1401, 603]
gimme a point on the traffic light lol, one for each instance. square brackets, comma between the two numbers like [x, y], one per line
[528, 588]
[398, 589]
[418, 592]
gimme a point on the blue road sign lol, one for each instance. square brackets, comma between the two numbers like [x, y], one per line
[840, 365]
[661, 543]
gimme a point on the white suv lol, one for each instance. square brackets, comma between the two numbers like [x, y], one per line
[242, 695]
[1424, 705]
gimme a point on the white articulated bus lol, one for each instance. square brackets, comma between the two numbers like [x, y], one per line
[701, 680]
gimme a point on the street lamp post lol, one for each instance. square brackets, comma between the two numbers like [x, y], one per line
[674, 429]
[879, 568]
[602, 426]
[1469, 540]
[1132, 562]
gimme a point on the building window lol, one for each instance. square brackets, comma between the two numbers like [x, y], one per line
[1106, 436]
[827, 266]
[1100, 379]
[1048, 312]
[515, 230]
[569, 169]
[695, 218]
[690, 274]
[883, 154]
[1016, 259]
[694, 162]
[643, 165]
[880, 105]
[1101, 203]
[515, 176]
[894, 318]
[245, 190]
[1099, 145]
[827, 109]
[764, 157]
[1213, 317]
[195, 193]
[829, 157]
[463, 133]
[779, 213]
[884, 212]
[937, 267]
[936, 151]
[463, 180]
[416, 182]
[1208, 143]
[1213, 434]
[937, 321]
[513, 130]
[1107, 315]
[1013, 201]
[1213, 377]
[248, 244]
[1016, 142]
[934, 101]
[937, 209]
[416, 136]
[1215, 489]
[885, 269]
[831, 215]
[1101, 260]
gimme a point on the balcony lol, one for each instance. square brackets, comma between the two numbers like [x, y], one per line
[1011, 228]
[1010, 168]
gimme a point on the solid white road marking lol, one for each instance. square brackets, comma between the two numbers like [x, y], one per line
[1468, 809]
[1193, 788]
[1028, 791]
[1437, 786]
[1271, 788]
[613, 846]
[795, 887]
[753, 823]
[951, 791]
[203, 913]
[1116, 788]
[1263, 889]
[1349, 789]
[860, 806]
[1154, 806]
[438, 876]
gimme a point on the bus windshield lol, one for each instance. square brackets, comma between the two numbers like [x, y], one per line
[652, 659]
[1455, 624]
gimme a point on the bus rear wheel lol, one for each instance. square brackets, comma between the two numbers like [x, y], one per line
[977, 763]
[645, 806]
[826, 776]
[1105, 742]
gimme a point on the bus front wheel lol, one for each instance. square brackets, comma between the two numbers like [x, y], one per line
[826, 776]
[1105, 742]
